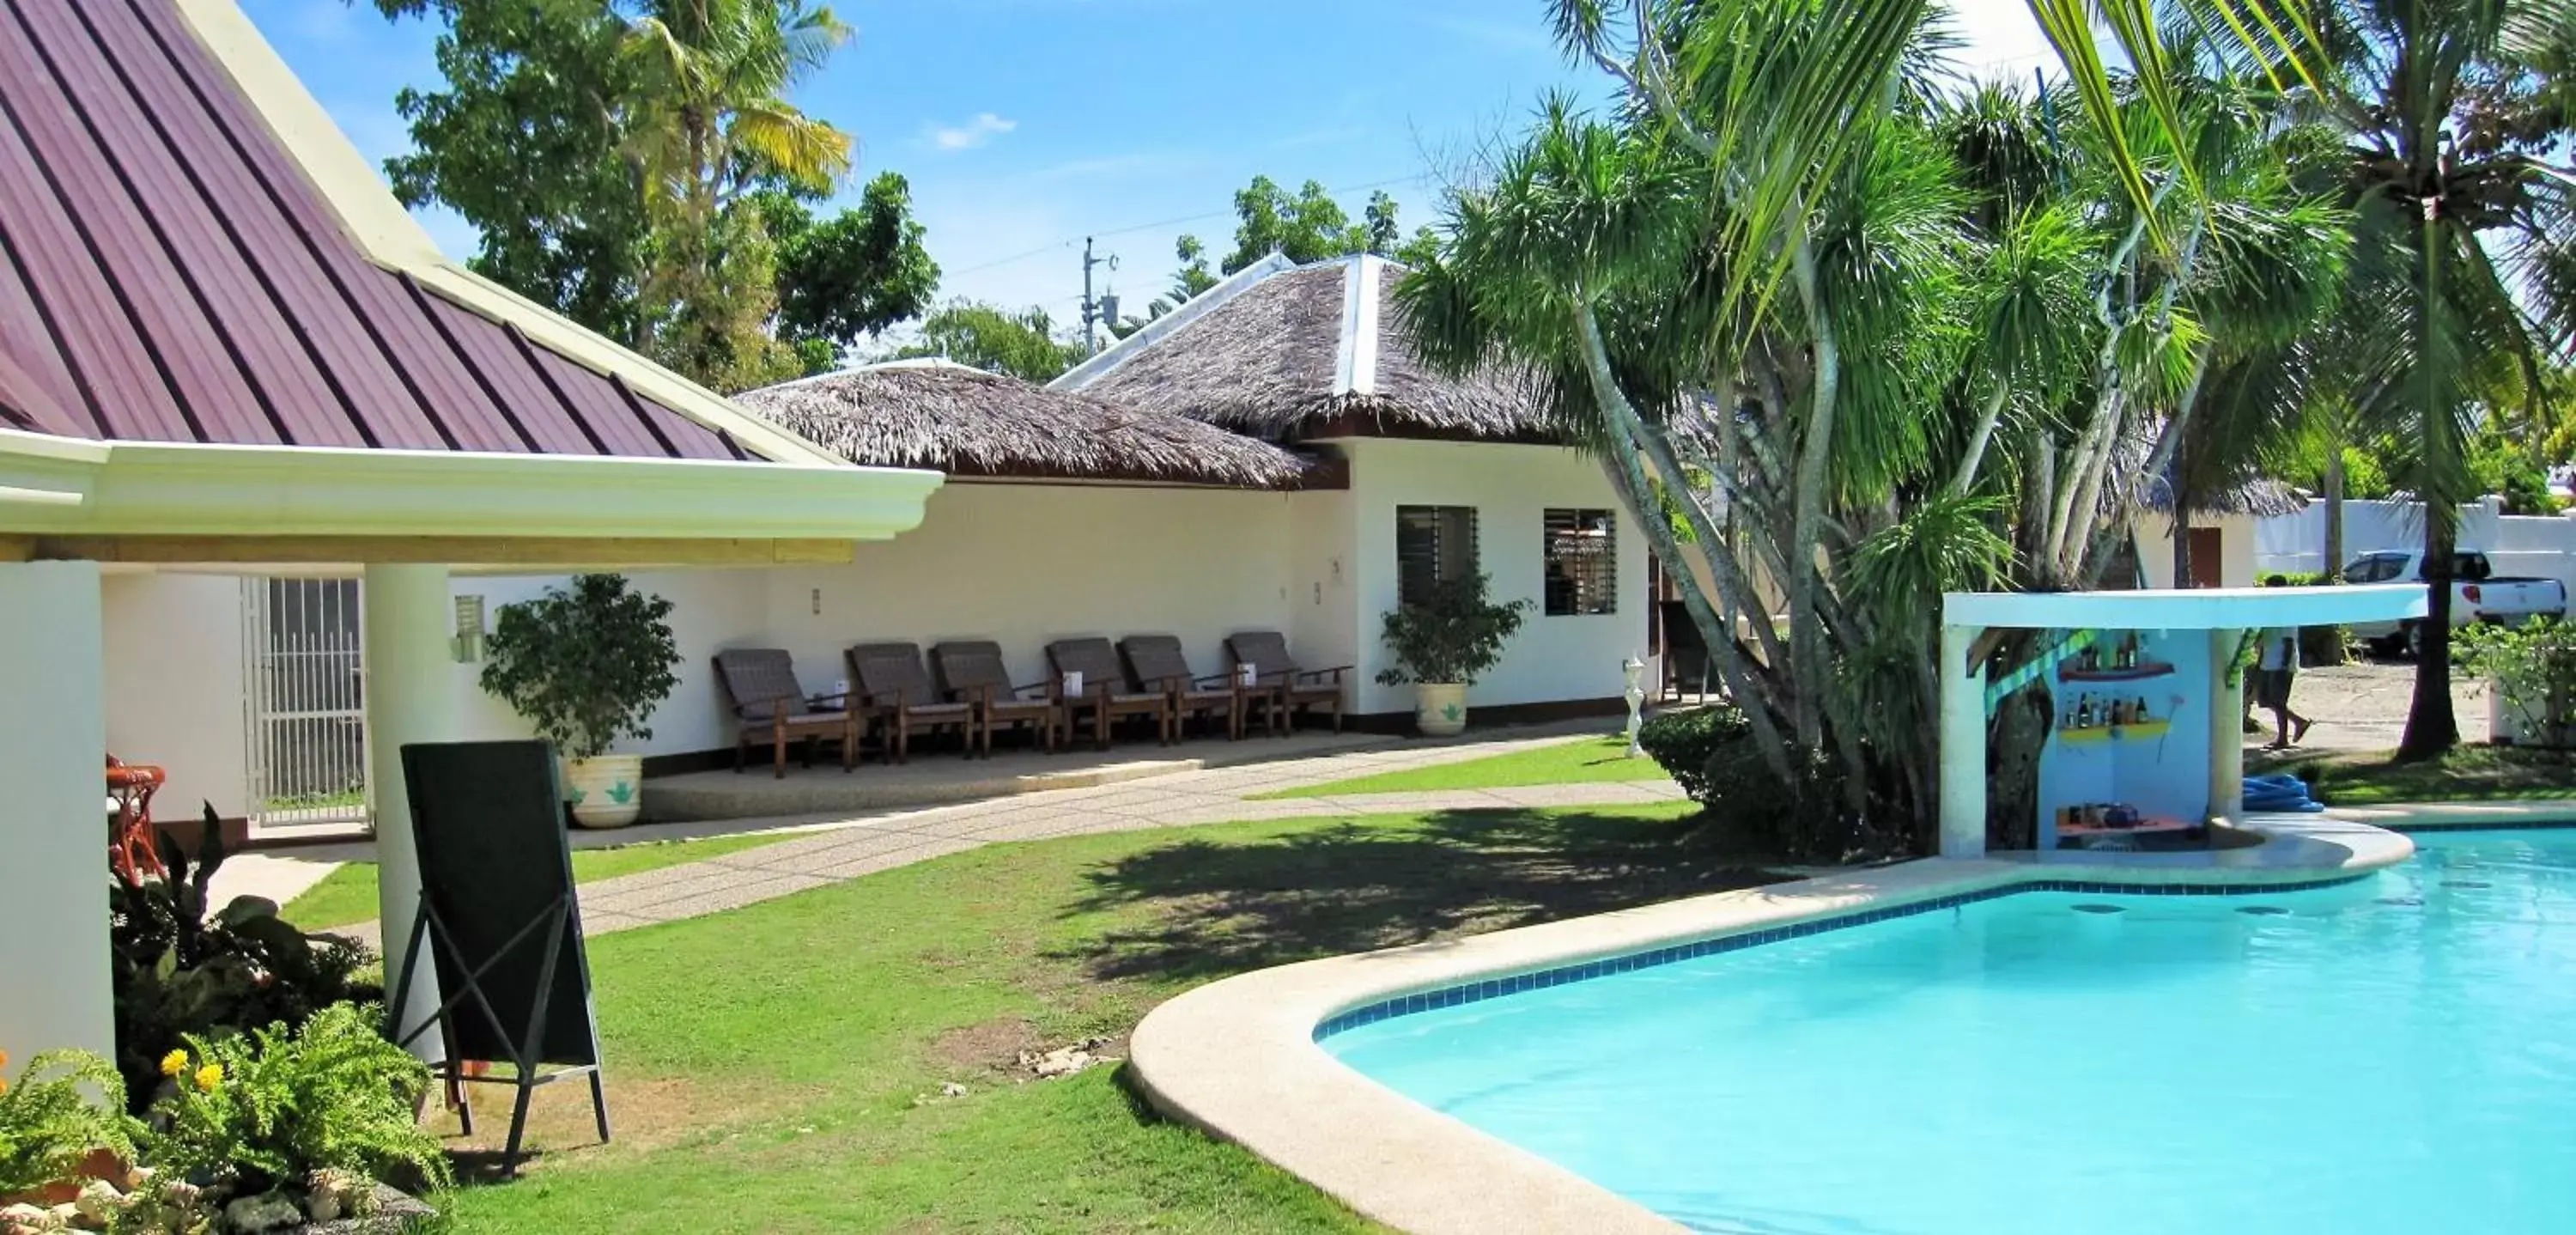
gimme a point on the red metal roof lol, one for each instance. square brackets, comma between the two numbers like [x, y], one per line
[168, 272]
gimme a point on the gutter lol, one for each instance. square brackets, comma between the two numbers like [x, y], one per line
[64, 486]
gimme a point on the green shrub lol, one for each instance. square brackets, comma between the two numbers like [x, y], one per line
[180, 967]
[1687, 743]
[1711, 753]
[256, 1114]
[49, 1122]
[2534, 668]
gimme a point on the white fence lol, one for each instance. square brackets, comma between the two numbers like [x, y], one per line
[2519, 545]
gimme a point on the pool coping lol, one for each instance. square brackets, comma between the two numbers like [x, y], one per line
[1241, 1059]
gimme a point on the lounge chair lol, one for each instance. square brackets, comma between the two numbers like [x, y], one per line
[973, 671]
[1105, 692]
[760, 686]
[1156, 662]
[892, 686]
[1289, 689]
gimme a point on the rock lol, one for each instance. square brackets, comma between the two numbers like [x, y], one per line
[333, 1195]
[98, 1204]
[1064, 1060]
[266, 1212]
[952, 1090]
[22, 1217]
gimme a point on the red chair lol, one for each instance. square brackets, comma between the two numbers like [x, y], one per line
[130, 850]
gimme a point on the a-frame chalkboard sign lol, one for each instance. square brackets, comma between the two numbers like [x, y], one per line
[499, 919]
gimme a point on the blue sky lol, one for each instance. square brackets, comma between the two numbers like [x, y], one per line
[1024, 125]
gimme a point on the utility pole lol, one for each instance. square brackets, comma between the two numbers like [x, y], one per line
[1095, 310]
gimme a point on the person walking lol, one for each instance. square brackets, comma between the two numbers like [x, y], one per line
[2275, 674]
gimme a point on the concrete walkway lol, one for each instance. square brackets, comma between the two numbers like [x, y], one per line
[837, 849]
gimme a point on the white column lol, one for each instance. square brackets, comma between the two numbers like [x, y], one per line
[409, 699]
[2226, 728]
[1963, 747]
[53, 814]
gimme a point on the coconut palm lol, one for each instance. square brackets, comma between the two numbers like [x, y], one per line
[1939, 348]
[2454, 125]
[709, 124]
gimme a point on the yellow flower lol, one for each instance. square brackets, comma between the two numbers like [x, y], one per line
[210, 1076]
[174, 1063]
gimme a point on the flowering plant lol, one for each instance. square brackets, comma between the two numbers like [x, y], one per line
[254, 1114]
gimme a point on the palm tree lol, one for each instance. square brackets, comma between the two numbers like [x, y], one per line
[710, 124]
[2455, 133]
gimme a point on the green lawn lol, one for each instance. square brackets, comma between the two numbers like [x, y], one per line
[779, 1067]
[347, 895]
[1586, 761]
[2468, 774]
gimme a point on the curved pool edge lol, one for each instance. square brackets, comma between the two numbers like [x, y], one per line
[1239, 1058]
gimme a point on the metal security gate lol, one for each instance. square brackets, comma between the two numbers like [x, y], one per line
[305, 675]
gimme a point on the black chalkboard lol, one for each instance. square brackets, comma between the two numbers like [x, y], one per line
[495, 866]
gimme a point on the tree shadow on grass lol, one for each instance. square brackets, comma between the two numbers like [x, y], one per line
[1212, 908]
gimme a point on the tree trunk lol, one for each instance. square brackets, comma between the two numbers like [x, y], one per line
[2432, 722]
[2334, 513]
[1806, 635]
[2181, 521]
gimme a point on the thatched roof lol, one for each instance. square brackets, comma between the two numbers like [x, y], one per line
[1287, 351]
[2258, 497]
[939, 414]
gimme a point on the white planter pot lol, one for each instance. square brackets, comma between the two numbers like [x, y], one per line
[1440, 709]
[606, 792]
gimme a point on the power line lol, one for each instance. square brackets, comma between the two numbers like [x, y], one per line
[1070, 241]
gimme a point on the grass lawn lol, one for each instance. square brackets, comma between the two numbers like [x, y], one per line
[1586, 761]
[347, 895]
[780, 1067]
[2468, 774]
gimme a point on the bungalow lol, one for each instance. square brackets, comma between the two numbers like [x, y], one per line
[1270, 457]
[224, 347]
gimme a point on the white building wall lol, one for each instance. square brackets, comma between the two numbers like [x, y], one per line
[1511, 487]
[2295, 543]
[2236, 558]
[709, 607]
[1024, 565]
[175, 687]
[1323, 593]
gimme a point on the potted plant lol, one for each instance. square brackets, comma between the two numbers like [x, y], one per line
[1443, 643]
[587, 667]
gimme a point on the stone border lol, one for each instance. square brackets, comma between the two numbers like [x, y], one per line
[1239, 1059]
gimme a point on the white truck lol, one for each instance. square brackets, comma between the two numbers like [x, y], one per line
[2478, 594]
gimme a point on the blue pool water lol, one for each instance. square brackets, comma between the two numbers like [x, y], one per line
[2394, 1055]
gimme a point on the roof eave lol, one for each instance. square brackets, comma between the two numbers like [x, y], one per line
[59, 486]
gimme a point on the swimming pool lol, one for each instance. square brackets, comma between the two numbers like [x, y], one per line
[2393, 1055]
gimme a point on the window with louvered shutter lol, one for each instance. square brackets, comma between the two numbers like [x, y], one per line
[1582, 548]
[1433, 544]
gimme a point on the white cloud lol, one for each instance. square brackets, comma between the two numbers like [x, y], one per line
[976, 132]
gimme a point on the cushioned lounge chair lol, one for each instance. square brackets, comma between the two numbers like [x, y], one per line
[760, 686]
[894, 688]
[1105, 694]
[1289, 689]
[1156, 662]
[973, 671]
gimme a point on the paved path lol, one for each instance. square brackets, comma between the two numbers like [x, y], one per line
[843, 849]
[2362, 707]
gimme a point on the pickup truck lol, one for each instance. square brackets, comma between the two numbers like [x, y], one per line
[2478, 594]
